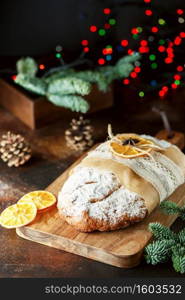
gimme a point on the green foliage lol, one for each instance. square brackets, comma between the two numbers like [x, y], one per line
[161, 251]
[58, 75]
[178, 258]
[94, 77]
[171, 208]
[161, 232]
[121, 69]
[167, 244]
[69, 85]
[63, 92]
[182, 213]
[66, 87]
[75, 103]
[27, 66]
[125, 65]
[158, 251]
[181, 236]
[32, 84]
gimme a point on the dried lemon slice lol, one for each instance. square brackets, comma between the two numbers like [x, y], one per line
[42, 199]
[130, 145]
[18, 215]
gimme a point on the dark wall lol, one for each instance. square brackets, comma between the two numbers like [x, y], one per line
[35, 27]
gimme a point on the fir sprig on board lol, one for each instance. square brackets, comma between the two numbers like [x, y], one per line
[171, 208]
[67, 87]
[167, 245]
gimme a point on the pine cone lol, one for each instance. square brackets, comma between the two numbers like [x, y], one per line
[80, 135]
[14, 150]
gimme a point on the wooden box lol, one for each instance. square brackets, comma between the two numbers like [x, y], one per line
[36, 112]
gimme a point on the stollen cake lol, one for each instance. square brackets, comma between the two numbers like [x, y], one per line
[120, 182]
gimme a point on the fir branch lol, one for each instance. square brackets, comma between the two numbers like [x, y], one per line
[75, 103]
[178, 258]
[94, 77]
[170, 208]
[181, 236]
[32, 84]
[161, 232]
[27, 66]
[182, 213]
[123, 67]
[63, 86]
[158, 251]
[167, 244]
[69, 85]
[59, 75]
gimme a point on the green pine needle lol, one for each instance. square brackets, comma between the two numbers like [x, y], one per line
[58, 75]
[178, 249]
[27, 66]
[73, 102]
[94, 77]
[179, 263]
[167, 244]
[182, 213]
[69, 85]
[178, 258]
[158, 251]
[125, 65]
[171, 208]
[64, 86]
[161, 232]
[181, 236]
[32, 84]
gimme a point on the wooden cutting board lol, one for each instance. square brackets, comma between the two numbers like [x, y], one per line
[121, 248]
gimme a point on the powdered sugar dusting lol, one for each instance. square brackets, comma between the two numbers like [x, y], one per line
[100, 194]
[100, 181]
[121, 202]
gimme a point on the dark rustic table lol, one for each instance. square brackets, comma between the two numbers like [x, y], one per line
[22, 258]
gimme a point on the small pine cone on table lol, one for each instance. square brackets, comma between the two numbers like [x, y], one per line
[14, 150]
[80, 135]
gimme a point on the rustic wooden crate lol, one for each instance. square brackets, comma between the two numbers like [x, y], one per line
[37, 112]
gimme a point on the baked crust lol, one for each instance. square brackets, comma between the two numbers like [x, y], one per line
[95, 200]
[89, 224]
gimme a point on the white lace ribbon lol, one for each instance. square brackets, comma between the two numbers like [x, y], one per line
[161, 171]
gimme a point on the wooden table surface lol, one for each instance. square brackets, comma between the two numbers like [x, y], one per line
[21, 258]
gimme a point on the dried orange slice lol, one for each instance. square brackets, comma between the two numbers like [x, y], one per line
[42, 199]
[18, 215]
[127, 145]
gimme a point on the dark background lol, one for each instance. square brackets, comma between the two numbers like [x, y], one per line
[35, 27]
